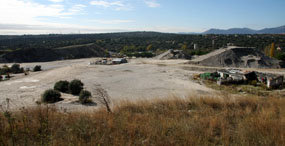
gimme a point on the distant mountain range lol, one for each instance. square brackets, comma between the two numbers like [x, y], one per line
[276, 30]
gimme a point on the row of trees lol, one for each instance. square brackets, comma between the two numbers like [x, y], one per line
[16, 69]
[141, 40]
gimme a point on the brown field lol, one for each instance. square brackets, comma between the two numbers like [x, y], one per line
[247, 120]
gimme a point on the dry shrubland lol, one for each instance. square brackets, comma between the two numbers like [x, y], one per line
[192, 121]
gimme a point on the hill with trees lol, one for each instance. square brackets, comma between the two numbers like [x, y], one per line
[276, 30]
[38, 48]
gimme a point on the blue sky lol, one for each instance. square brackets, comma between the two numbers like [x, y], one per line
[97, 16]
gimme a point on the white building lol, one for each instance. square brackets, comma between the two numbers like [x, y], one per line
[195, 46]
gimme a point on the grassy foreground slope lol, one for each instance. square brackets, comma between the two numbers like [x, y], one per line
[193, 121]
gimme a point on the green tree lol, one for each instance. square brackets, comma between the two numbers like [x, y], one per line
[51, 96]
[272, 50]
[84, 96]
[61, 86]
[75, 86]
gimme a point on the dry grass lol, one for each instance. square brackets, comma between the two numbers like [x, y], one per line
[246, 89]
[193, 121]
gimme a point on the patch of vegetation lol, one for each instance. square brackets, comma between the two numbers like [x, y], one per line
[5, 70]
[191, 121]
[51, 96]
[37, 68]
[84, 97]
[140, 54]
[75, 86]
[15, 69]
[62, 86]
[251, 88]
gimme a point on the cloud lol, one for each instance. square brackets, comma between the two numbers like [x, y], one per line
[75, 9]
[29, 17]
[152, 3]
[49, 28]
[29, 12]
[117, 21]
[116, 5]
[106, 3]
[56, 1]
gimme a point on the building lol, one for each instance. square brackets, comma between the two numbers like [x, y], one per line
[235, 76]
[230, 76]
[119, 60]
[196, 46]
[274, 82]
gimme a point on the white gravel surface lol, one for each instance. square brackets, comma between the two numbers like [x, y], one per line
[139, 79]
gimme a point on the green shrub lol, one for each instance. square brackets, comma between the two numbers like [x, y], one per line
[253, 83]
[5, 70]
[61, 86]
[51, 96]
[84, 96]
[37, 68]
[15, 68]
[75, 86]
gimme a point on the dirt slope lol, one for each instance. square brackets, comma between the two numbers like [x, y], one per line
[240, 57]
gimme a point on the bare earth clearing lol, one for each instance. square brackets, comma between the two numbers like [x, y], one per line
[139, 79]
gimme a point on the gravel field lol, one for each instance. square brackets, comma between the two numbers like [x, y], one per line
[137, 80]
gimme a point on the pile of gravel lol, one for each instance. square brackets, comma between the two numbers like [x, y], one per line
[171, 54]
[240, 57]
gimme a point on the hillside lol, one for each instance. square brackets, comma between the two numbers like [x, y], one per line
[34, 48]
[241, 57]
[44, 55]
[277, 30]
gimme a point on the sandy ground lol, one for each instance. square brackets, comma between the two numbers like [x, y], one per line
[136, 80]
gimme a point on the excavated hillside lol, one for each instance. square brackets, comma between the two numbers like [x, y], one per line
[241, 57]
[45, 55]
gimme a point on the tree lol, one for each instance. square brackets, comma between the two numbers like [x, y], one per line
[51, 96]
[37, 68]
[184, 47]
[149, 47]
[15, 68]
[5, 70]
[75, 86]
[61, 86]
[272, 50]
[103, 97]
[84, 96]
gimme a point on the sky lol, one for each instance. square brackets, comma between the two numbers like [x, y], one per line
[101, 16]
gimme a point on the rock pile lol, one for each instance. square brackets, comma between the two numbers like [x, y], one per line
[241, 57]
[171, 54]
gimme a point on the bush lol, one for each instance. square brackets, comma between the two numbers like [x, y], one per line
[84, 96]
[51, 96]
[61, 86]
[5, 70]
[37, 68]
[75, 86]
[16, 69]
[253, 83]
